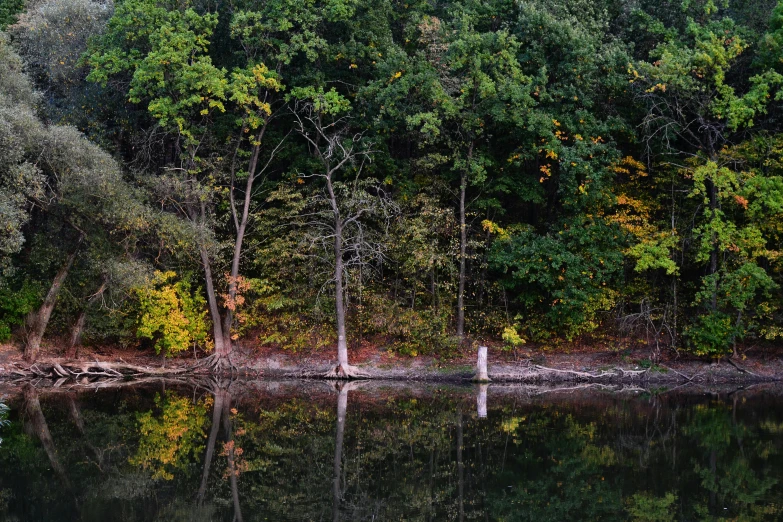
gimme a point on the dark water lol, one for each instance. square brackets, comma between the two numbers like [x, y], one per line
[304, 451]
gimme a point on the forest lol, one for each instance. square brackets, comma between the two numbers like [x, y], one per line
[419, 175]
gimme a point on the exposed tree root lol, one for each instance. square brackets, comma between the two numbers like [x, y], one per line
[79, 370]
[346, 372]
[217, 363]
[68, 370]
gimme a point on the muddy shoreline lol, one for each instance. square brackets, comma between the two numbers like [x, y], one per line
[600, 368]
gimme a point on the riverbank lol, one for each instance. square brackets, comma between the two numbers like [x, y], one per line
[526, 366]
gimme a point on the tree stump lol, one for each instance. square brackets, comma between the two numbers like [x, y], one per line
[481, 366]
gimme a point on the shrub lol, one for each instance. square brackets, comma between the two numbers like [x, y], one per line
[411, 332]
[711, 334]
[294, 331]
[511, 338]
[15, 304]
[171, 314]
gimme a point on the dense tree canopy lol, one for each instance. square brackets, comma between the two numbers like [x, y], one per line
[418, 174]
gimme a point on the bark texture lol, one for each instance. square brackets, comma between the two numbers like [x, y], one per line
[481, 365]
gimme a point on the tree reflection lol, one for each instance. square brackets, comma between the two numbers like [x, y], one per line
[3, 417]
[230, 450]
[222, 416]
[35, 425]
[217, 414]
[171, 435]
[232, 455]
[729, 464]
[342, 408]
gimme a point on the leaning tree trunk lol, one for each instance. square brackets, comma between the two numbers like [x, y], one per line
[78, 327]
[41, 319]
[198, 215]
[76, 335]
[221, 350]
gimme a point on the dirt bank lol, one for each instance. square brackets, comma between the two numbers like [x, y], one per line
[529, 366]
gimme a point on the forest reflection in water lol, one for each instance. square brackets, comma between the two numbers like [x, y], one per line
[245, 451]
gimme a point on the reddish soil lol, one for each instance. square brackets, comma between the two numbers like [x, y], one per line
[532, 363]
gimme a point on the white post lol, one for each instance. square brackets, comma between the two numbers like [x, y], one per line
[481, 401]
[481, 365]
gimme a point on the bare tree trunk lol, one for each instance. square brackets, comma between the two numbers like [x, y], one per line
[241, 227]
[221, 350]
[343, 370]
[45, 312]
[342, 408]
[78, 327]
[342, 343]
[714, 254]
[463, 246]
[336, 222]
[76, 335]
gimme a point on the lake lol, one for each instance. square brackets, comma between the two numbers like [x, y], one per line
[296, 450]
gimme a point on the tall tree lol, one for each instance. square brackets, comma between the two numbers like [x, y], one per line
[325, 127]
[699, 96]
[462, 88]
[66, 180]
[164, 50]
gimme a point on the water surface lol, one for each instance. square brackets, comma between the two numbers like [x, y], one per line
[307, 451]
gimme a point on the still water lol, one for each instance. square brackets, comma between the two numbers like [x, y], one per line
[308, 451]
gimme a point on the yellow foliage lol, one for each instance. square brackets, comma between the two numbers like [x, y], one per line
[170, 315]
[172, 437]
